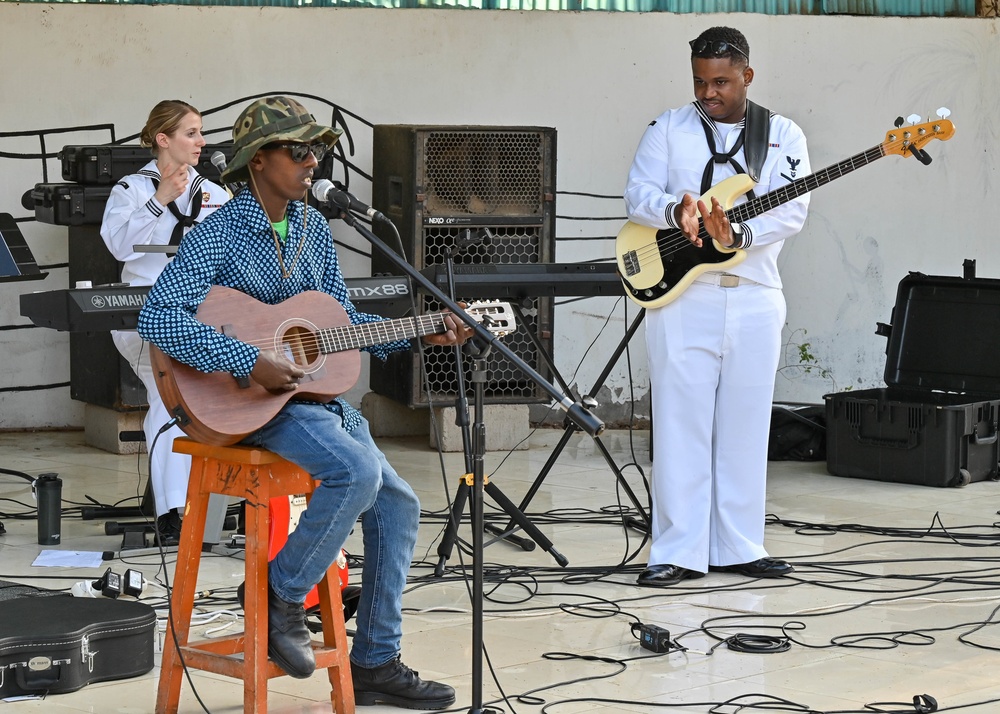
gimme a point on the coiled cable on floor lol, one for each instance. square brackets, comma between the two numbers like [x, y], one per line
[758, 644]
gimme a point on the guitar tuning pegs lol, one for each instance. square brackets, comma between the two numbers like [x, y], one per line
[913, 118]
[944, 112]
[899, 122]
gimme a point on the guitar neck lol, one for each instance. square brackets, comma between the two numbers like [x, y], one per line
[762, 204]
[356, 337]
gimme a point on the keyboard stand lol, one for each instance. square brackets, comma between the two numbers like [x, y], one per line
[570, 429]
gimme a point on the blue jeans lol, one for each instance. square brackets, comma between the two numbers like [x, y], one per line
[354, 480]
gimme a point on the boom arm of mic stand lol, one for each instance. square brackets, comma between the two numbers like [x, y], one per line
[574, 410]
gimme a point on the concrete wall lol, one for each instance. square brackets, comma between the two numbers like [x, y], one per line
[598, 78]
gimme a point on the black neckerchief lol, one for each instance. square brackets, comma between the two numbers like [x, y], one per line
[756, 124]
[182, 220]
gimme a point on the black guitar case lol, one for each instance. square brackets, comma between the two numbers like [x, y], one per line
[56, 644]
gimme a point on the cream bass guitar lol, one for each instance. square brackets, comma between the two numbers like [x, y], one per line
[658, 265]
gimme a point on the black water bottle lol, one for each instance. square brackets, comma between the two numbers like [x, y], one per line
[48, 495]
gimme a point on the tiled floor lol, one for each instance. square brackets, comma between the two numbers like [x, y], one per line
[889, 580]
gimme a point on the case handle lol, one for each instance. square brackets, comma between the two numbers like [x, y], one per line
[36, 681]
[984, 440]
[911, 442]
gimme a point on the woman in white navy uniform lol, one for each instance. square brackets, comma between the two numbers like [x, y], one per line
[156, 207]
[713, 351]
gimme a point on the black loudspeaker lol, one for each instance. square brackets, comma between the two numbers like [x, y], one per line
[436, 183]
[98, 374]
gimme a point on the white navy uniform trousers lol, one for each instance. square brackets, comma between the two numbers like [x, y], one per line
[713, 351]
[713, 356]
[133, 217]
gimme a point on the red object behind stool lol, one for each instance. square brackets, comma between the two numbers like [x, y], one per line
[285, 512]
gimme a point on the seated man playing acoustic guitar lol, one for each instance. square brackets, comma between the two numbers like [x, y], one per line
[267, 243]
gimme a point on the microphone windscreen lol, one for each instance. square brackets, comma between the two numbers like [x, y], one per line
[321, 188]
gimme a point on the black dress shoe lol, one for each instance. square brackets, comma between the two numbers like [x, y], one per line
[168, 528]
[762, 568]
[660, 576]
[396, 684]
[289, 643]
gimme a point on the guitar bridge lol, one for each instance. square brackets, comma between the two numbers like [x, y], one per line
[631, 262]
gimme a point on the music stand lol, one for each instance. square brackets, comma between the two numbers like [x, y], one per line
[16, 263]
[16, 259]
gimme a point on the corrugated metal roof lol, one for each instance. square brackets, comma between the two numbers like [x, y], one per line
[908, 8]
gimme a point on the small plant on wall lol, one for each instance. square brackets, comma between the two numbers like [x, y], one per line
[800, 361]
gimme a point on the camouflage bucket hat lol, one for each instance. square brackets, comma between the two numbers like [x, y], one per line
[268, 120]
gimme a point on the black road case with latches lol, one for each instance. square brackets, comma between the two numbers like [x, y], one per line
[69, 204]
[105, 164]
[935, 422]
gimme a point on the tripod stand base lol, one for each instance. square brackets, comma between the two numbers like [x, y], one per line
[525, 544]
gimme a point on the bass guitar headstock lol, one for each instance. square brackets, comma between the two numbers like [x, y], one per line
[910, 140]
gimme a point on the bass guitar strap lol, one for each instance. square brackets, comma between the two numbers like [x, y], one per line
[756, 130]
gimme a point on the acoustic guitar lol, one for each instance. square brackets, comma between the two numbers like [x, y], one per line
[656, 266]
[218, 409]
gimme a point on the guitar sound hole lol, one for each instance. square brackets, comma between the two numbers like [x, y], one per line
[299, 346]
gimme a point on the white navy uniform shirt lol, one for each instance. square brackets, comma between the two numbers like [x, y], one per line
[133, 217]
[671, 159]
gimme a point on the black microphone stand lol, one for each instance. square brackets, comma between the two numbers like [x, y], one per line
[475, 448]
[576, 411]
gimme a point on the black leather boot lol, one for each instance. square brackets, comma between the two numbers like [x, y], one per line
[396, 684]
[289, 643]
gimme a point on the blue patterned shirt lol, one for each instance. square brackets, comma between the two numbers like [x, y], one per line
[235, 247]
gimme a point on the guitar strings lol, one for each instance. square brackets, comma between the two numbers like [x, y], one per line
[344, 337]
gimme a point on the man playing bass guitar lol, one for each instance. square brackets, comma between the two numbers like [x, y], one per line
[713, 349]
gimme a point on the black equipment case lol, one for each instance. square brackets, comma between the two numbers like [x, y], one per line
[935, 423]
[69, 204]
[105, 164]
[102, 165]
[56, 644]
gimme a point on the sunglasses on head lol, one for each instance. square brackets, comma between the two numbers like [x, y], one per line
[715, 47]
[299, 152]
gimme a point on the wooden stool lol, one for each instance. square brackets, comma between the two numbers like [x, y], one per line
[256, 475]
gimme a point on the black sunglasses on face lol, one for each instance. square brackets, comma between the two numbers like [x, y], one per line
[717, 47]
[299, 152]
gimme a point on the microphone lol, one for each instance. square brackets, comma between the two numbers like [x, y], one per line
[326, 192]
[219, 161]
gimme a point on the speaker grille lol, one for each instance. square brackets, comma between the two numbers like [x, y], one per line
[507, 383]
[483, 173]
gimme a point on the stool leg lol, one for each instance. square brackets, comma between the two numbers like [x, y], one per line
[255, 601]
[182, 597]
[331, 607]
